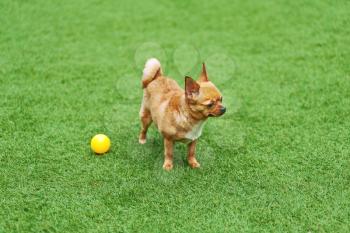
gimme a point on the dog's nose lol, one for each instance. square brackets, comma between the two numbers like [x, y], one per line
[222, 110]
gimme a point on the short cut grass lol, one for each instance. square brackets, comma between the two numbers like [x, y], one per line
[277, 161]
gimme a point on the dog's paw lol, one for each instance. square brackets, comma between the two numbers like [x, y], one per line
[168, 166]
[142, 140]
[194, 163]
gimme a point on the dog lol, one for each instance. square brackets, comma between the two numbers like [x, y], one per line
[178, 114]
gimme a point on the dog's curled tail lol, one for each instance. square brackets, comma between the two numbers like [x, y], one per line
[151, 71]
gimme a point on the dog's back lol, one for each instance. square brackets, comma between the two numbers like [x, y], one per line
[158, 89]
[154, 81]
[161, 95]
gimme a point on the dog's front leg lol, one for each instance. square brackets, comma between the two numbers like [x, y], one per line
[191, 157]
[168, 154]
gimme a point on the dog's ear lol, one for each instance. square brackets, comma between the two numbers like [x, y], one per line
[203, 76]
[191, 87]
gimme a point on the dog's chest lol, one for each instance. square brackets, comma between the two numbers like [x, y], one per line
[195, 132]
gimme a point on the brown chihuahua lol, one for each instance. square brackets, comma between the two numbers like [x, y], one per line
[179, 115]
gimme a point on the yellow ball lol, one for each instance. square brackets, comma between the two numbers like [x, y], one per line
[100, 143]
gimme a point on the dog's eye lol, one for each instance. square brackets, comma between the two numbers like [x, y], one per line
[210, 105]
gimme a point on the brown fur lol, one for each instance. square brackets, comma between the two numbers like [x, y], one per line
[178, 114]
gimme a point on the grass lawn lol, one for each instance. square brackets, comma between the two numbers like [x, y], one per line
[277, 161]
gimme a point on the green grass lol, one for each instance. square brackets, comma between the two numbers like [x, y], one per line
[278, 161]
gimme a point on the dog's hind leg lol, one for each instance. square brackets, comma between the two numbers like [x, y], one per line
[146, 120]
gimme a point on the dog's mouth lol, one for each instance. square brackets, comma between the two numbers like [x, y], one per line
[215, 115]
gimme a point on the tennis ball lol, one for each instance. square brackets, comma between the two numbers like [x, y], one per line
[100, 144]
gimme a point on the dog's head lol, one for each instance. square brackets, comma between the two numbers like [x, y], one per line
[203, 97]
